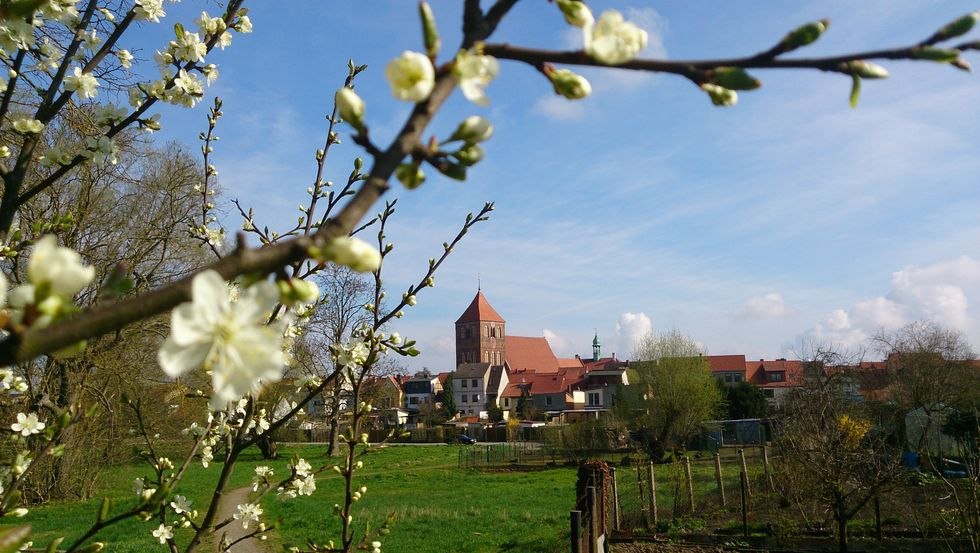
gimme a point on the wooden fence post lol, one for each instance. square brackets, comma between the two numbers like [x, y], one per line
[877, 518]
[744, 486]
[719, 480]
[593, 521]
[576, 520]
[615, 498]
[644, 512]
[745, 470]
[766, 468]
[652, 481]
[690, 483]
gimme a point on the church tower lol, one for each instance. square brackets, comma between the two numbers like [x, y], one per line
[596, 346]
[480, 334]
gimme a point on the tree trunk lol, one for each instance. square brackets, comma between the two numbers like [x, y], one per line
[842, 518]
[268, 448]
[333, 445]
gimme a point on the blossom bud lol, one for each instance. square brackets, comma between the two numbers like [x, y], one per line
[734, 78]
[569, 84]
[469, 154]
[942, 55]
[720, 96]
[955, 28]
[803, 35]
[576, 13]
[864, 69]
[473, 129]
[351, 107]
[354, 253]
[430, 34]
[410, 175]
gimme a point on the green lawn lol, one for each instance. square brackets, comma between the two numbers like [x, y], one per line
[438, 507]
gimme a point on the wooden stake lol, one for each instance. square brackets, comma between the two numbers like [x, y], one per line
[652, 481]
[745, 471]
[615, 499]
[690, 483]
[576, 521]
[719, 480]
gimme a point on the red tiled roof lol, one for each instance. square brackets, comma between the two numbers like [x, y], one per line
[726, 363]
[792, 373]
[523, 352]
[479, 310]
[565, 363]
[442, 377]
[513, 389]
[548, 383]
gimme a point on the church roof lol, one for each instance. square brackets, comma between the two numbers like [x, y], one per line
[524, 352]
[479, 310]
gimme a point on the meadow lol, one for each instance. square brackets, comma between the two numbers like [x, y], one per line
[437, 506]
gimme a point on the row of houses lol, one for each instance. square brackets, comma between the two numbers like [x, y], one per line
[520, 375]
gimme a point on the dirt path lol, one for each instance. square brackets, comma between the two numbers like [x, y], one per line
[228, 507]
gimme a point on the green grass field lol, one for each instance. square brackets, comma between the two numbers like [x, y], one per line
[438, 507]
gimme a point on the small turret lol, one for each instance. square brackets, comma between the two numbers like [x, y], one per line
[596, 346]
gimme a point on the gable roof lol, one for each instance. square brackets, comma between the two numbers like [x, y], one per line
[525, 352]
[726, 363]
[479, 310]
[472, 370]
[565, 363]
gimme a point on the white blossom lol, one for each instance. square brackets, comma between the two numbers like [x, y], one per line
[149, 10]
[230, 339]
[188, 47]
[101, 150]
[474, 72]
[28, 126]
[612, 40]
[57, 268]
[164, 533]
[248, 513]
[210, 25]
[244, 25]
[305, 486]
[181, 504]
[27, 424]
[411, 76]
[302, 467]
[125, 58]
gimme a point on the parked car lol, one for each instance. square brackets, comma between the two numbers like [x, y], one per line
[461, 439]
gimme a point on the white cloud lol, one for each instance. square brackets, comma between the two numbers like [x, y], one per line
[630, 327]
[558, 107]
[768, 306]
[939, 292]
[559, 344]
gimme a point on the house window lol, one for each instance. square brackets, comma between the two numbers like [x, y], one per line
[413, 400]
[775, 377]
[476, 398]
[728, 377]
[473, 382]
[594, 399]
[769, 393]
[506, 402]
[738, 377]
[464, 382]
[547, 400]
[464, 398]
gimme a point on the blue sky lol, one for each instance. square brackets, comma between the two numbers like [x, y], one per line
[642, 207]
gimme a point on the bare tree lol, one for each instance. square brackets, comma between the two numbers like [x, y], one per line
[930, 368]
[831, 453]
